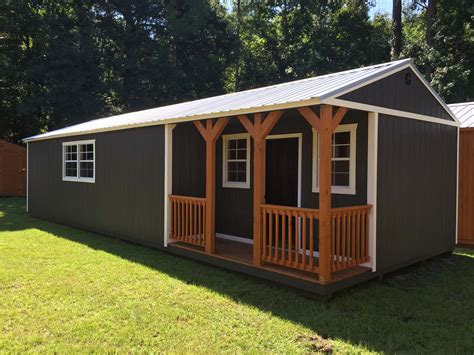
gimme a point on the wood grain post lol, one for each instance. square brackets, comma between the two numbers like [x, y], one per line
[210, 134]
[259, 131]
[325, 185]
[325, 126]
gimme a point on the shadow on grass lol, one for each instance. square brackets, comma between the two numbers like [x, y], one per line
[425, 308]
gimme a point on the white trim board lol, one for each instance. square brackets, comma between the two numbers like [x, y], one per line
[168, 180]
[27, 176]
[372, 156]
[391, 112]
[234, 238]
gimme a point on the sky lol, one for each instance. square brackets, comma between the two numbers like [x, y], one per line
[381, 6]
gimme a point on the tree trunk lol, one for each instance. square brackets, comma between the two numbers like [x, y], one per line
[397, 29]
[430, 15]
[237, 54]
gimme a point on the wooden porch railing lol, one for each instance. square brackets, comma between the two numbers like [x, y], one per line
[350, 236]
[288, 236]
[188, 215]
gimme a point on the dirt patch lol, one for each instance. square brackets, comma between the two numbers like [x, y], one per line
[316, 343]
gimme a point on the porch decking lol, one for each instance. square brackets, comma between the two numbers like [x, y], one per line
[242, 253]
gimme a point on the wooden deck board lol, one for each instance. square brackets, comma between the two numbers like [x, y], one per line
[242, 253]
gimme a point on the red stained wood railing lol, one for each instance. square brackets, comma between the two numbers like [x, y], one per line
[350, 236]
[188, 215]
[288, 236]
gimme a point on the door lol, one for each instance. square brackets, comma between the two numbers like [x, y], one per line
[281, 171]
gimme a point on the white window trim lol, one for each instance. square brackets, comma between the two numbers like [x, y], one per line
[351, 189]
[232, 184]
[63, 160]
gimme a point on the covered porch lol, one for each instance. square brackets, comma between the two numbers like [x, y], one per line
[320, 245]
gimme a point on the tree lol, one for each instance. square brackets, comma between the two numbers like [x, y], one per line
[397, 29]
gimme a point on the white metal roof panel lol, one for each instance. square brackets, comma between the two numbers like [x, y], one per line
[464, 111]
[292, 94]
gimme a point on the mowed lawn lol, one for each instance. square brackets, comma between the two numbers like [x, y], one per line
[63, 289]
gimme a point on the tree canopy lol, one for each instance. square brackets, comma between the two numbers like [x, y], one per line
[65, 62]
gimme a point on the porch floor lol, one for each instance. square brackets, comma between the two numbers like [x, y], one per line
[242, 253]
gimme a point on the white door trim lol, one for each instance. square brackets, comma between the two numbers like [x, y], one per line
[168, 180]
[372, 156]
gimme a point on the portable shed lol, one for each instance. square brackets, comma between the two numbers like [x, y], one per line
[319, 183]
[465, 114]
[12, 169]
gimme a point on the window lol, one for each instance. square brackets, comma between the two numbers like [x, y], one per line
[236, 162]
[343, 160]
[79, 161]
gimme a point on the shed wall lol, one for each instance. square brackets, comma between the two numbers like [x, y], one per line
[127, 197]
[12, 169]
[400, 91]
[466, 186]
[416, 197]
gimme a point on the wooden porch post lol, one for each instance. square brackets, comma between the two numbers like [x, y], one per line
[325, 126]
[210, 134]
[259, 131]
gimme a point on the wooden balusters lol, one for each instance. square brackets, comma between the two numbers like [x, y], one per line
[188, 215]
[288, 236]
[350, 244]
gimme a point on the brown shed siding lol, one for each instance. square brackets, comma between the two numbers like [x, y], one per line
[400, 91]
[12, 169]
[466, 186]
[127, 197]
[416, 198]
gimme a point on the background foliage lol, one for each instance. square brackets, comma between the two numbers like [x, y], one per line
[65, 62]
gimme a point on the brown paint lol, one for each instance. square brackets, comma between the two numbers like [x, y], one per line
[12, 169]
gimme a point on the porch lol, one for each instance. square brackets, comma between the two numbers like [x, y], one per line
[321, 245]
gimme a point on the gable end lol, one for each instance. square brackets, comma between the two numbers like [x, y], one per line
[402, 91]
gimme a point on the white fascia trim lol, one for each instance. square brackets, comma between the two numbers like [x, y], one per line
[27, 175]
[339, 190]
[78, 178]
[260, 109]
[391, 112]
[168, 181]
[235, 184]
[392, 70]
[372, 158]
[234, 238]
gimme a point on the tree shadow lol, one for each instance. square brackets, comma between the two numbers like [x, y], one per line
[424, 308]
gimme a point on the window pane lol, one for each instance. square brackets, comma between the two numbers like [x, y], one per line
[70, 169]
[340, 179]
[241, 143]
[232, 166]
[231, 154]
[340, 166]
[242, 154]
[341, 151]
[233, 144]
[231, 176]
[86, 169]
[241, 176]
[241, 166]
[342, 138]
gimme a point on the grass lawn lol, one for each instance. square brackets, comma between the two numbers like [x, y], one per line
[63, 289]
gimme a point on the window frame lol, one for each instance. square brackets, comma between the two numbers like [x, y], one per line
[343, 190]
[225, 141]
[78, 160]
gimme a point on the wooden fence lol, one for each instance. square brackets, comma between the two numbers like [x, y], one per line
[187, 219]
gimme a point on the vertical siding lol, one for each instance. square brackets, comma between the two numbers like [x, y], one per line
[394, 92]
[416, 198]
[466, 187]
[127, 198]
[234, 207]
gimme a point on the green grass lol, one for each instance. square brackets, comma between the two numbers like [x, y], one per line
[63, 289]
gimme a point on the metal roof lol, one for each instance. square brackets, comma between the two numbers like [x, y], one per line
[298, 93]
[464, 111]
